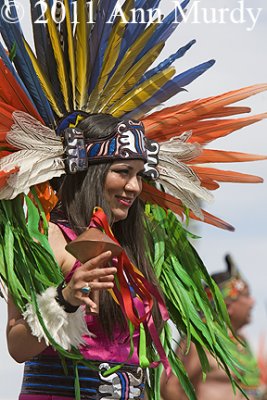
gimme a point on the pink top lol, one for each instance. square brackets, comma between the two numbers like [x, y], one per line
[100, 347]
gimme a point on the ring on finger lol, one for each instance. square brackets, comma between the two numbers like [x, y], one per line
[86, 289]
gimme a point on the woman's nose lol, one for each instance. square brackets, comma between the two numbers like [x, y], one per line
[134, 184]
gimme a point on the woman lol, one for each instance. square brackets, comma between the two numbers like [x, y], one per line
[104, 68]
[114, 186]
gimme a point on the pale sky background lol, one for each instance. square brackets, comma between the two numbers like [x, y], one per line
[241, 57]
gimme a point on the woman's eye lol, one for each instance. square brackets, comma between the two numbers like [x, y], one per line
[121, 171]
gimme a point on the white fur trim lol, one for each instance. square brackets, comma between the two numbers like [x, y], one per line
[67, 329]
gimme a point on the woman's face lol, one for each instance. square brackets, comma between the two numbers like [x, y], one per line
[122, 186]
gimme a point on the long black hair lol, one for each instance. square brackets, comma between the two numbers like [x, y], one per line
[81, 192]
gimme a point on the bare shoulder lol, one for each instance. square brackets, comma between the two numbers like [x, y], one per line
[58, 242]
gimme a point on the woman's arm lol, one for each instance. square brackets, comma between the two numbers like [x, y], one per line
[22, 344]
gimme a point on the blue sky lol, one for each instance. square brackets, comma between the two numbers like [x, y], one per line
[241, 60]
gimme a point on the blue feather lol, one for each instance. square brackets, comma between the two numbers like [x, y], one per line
[11, 34]
[166, 63]
[134, 30]
[45, 55]
[163, 31]
[170, 89]
[99, 39]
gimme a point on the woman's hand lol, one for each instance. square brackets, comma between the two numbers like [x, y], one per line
[94, 273]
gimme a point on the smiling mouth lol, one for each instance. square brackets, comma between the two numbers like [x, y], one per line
[125, 201]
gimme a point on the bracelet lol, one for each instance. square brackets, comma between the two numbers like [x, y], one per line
[69, 308]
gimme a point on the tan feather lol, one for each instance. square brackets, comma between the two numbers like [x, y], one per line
[110, 57]
[45, 83]
[59, 57]
[82, 55]
[128, 62]
[71, 51]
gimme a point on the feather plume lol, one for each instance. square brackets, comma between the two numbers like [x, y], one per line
[163, 31]
[204, 133]
[180, 149]
[170, 89]
[187, 116]
[6, 122]
[13, 94]
[220, 156]
[128, 61]
[35, 168]
[228, 111]
[141, 93]
[134, 31]
[46, 85]
[12, 34]
[9, 65]
[181, 181]
[128, 81]
[4, 175]
[99, 39]
[113, 47]
[168, 61]
[150, 194]
[39, 159]
[82, 56]
[225, 176]
[71, 52]
[61, 66]
[213, 220]
[44, 52]
[153, 195]
[202, 108]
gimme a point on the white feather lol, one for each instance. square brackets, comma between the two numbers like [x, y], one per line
[67, 329]
[39, 159]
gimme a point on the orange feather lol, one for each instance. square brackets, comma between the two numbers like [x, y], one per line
[225, 176]
[186, 114]
[212, 220]
[5, 175]
[152, 195]
[220, 156]
[13, 94]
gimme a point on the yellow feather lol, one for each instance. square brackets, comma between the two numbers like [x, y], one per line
[71, 52]
[59, 57]
[127, 81]
[142, 93]
[82, 55]
[49, 92]
[110, 57]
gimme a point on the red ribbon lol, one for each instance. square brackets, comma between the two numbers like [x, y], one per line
[127, 275]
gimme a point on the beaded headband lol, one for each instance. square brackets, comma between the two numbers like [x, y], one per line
[127, 142]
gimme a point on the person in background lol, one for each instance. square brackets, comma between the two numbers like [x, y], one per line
[217, 386]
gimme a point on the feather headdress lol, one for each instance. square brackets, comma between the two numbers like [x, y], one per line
[109, 67]
[122, 85]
